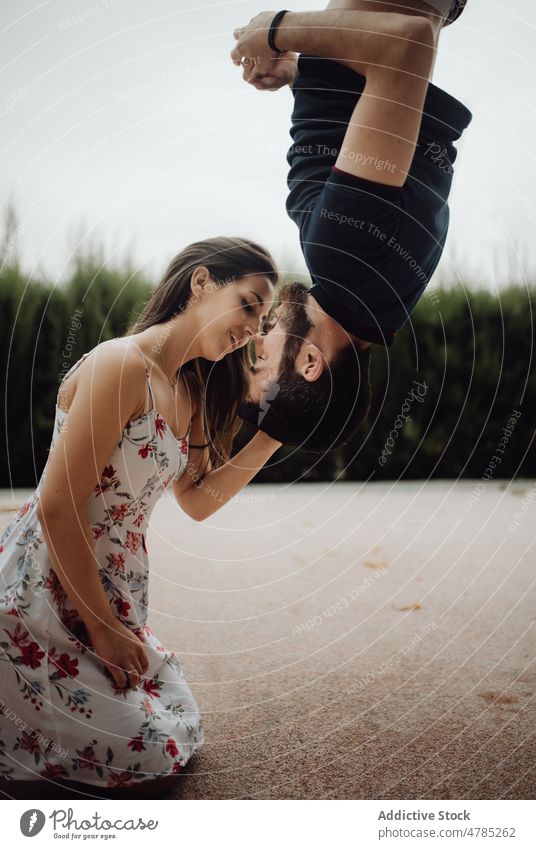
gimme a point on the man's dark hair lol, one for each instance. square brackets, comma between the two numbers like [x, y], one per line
[317, 415]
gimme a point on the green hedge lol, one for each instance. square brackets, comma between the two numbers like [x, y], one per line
[471, 353]
[44, 330]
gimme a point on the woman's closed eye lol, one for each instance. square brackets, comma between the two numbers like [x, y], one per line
[249, 308]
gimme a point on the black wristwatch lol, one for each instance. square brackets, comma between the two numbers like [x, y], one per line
[272, 31]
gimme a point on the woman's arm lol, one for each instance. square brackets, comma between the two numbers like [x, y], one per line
[201, 491]
[110, 388]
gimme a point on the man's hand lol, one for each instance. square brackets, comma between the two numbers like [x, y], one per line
[252, 40]
[263, 68]
[273, 74]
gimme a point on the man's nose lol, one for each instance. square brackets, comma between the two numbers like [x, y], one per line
[258, 341]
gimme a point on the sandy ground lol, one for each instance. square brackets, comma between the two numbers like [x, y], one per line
[354, 640]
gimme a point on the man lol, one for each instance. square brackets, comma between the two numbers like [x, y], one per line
[370, 173]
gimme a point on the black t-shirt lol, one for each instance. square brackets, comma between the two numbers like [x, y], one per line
[370, 248]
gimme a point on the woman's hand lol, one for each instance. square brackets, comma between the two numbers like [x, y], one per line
[121, 651]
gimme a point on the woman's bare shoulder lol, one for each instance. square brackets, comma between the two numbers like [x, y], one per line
[112, 360]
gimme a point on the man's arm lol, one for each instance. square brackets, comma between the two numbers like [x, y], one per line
[356, 39]
[395, 52]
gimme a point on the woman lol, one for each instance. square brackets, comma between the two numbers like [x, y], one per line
[89, 697]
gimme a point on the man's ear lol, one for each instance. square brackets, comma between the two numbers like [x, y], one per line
[200, 281]
[310, 362]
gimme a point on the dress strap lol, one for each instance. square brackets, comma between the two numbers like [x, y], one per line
[149, 385]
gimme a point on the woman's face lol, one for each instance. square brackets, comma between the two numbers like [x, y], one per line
[230, 314]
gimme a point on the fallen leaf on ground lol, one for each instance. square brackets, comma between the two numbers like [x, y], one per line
[372, 564]
[499, 698]
[416, 606]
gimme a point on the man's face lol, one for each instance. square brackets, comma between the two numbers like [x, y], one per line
[276, 350]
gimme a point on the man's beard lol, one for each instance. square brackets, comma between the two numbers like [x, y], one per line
[296, 324]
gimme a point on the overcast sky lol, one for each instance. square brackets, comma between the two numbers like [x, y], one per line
[125, 122]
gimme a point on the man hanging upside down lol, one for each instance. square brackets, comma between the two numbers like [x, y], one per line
[371, 168]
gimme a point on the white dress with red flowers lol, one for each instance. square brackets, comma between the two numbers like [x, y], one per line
[61, 714]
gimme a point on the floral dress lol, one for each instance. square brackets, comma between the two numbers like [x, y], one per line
[61, 713]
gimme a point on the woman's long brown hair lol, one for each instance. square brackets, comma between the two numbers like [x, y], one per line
[223, 384]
